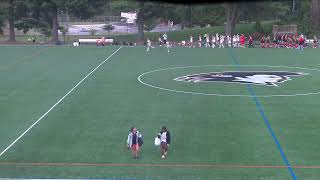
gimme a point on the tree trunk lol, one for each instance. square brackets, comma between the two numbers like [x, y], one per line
[55, 26]
[189, 15]
[293, 6]
[257, 17]
[12, 36]
[314, 14]
[232, 16]
[140, 21]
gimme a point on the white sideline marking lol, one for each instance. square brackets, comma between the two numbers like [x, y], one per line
[59, 101]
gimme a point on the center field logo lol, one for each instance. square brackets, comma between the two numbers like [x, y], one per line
[269, 78]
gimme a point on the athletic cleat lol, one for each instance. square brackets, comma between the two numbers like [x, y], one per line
[162, 156]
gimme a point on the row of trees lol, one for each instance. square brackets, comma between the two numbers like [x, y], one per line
[42, 14]
[304, 13]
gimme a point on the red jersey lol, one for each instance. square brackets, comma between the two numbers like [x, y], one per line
[242, 38]
[250, 40]
[301, 40]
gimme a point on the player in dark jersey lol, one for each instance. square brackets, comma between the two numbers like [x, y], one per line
[250, 42]
[315, 42]
[275, 42]
[262, 42]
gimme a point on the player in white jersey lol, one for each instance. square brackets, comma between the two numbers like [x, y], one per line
[149, 45]
[165, 38]
[191, 41]
[217, 39]
[237, 40]
[234, 40]
[221, 44]
[199, 40]
[166, 42]
[229, 40]
[207, 40]
[213, 41]
[168, 46]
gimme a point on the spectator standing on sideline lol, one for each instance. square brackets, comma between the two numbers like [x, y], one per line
[133, 142]
[165, 139]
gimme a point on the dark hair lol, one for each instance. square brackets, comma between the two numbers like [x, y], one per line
[164, 128]
[132, 128]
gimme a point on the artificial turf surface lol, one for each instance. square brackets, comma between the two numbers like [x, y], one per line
[214, 137]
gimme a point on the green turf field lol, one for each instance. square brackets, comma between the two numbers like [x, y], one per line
[220, 131]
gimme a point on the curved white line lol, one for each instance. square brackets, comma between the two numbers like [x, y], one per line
[226, 95]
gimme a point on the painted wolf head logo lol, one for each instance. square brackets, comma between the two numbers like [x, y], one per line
[269, 78]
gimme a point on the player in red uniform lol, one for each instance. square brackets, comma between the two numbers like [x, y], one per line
[296, 41]
[242, 41]
[301, 43]
[291, 41]
[250, 42]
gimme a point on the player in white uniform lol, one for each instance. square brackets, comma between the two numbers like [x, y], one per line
[238, 40]
[165, 41]
[217, 40]
[149, 45]
[165, 38]
[229, 40]
[207, 40]
[199, 40]
[213, 41]
[168, 46]
[234, 40]
[221, 45]
[191, 42]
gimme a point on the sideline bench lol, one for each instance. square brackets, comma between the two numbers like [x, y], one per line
[101, 41]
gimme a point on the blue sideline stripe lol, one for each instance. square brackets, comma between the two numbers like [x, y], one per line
[266, 121]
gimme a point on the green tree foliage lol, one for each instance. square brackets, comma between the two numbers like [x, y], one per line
[115, 7]
[2, 17]
[314, 15]
[302, 18]
[43, 14]
[212, 14]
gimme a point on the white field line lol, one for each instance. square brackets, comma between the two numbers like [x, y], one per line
[58, 102]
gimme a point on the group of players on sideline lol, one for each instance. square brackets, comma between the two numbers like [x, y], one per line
[134, 141]
[220, 41]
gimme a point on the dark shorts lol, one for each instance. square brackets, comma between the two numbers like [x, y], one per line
[164, 145]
